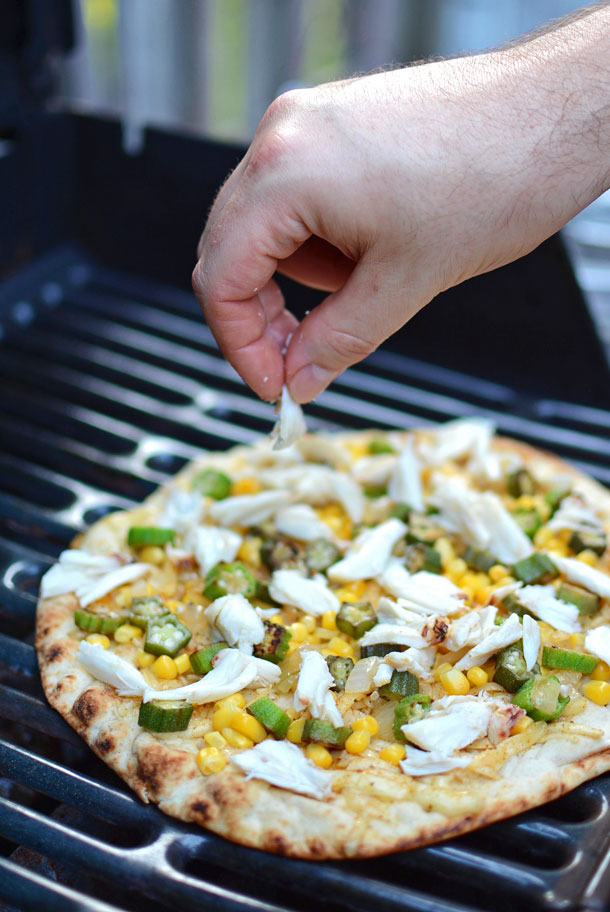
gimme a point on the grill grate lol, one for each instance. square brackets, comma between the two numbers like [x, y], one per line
[111, 384]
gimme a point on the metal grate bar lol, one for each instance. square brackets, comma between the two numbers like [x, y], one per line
[32, 712]
[31, 892]
[17, 657]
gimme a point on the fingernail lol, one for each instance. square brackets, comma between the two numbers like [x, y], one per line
[309, 381]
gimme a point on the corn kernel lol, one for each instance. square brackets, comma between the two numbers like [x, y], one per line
[123, 597]
[339, 647]
[577, 640]
[393, 753]
[497, 572]
[468, 592]
[601, 672]
[468, 579]
[457, 566]
[520, 726]
[246, 485]
[173, 605]
[357, 742]
[223, 717]
[587, 557]
[455, 682]
[277, 619]
[98, 639]
[446, 551]
[556, 546]
[309, 622]
[215, 739]
[249, 726]
[183, 663]
[144, 659]
[328, 619]
[165, 667]
[250, 552]
[236, 739]
[597, 691]
[236, 700]
[543, 536]
[442, 668]
[366, 723]
[152, 554]
[356, 449]
[319, 755]
[298, 631]
[126, 633]
[210, 760]
[295, 731]
[477, 676]
[526, 502]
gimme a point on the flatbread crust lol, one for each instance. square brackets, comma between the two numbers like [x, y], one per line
[374, 807]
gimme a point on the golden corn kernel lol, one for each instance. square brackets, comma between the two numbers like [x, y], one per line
[144, 659]
[455, 682]
[319, 755]
[183, 663]
[98, 639]
[248, 485]
[457, 566]
[223, 717]
[152, 554]
[558, 547]
[393, 753]
[577, 640]
[526, 502]
[236, 700]
[210, 760]
[587, 557]
[236, 739]
[123, 597]
[295, 731]
[277, 619]
[328, 618]
[366, 723]
[339, 647]
[601, 672]
[446, 551]
[215, 739]
[357, 742]
[150, 590]
[298, 631]
[126, 633]
[497, 572]
[490, 669]
[292, 645]
[357, 450]
[469, 578]
[597, 691]
[543, 536]
[250, 552]
[468, 592]
[309, 623]
[165, 667]
[442, 668]
[520, 726]
[249, 726]
[477, 676]
[173, 605]
[564, 535]
[482, 593]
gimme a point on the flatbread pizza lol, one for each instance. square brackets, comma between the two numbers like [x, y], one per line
[361, 643]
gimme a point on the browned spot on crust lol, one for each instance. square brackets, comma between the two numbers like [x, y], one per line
[87, 706]
[105, 744]
[45, 631]
[65, 682]
[203, 810]
[55, 652]
[275, 842]
[159, 767]
[317, 847]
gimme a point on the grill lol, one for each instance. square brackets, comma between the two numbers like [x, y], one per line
[110, 384]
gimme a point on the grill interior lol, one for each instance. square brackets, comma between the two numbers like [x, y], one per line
[110, 384]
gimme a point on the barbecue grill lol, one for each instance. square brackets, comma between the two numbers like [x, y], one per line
[111, 383]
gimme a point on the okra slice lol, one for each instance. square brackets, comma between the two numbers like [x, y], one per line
[402, 511]
[232, 578]
[380, 445]
[424, 529]
[555, 496]
[528, 520]
[280, 554]
[340, 668]
[212, 483]
[165, 715]
[274, 645]
[409, 709]
[479, 559]
[379, 649]
[520, 482]
[373, 491]
[145, 607]
[139, 536]
[593, 540]
[270, 716]
[324, 733]
[423, 557]
[554, 657]
[586, 602]
[537, 568]
[97, 623]
[541, 698]
[320, 554]
[166, 635]
[355, 618]
[511, 672]
[201, 661]
[401, 684]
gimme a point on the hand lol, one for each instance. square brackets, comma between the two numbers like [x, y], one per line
[387, 189]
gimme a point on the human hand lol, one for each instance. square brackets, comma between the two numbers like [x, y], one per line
[387, 189]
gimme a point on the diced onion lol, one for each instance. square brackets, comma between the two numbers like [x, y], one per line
[361, 676]
[545, 694]
[384, 714]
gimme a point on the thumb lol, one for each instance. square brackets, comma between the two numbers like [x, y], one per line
[348, 325]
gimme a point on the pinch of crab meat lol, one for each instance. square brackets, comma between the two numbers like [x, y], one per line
[291, 587]
[232, 671]
[541, 601]
[430, 763]
[374, 470]
[248, 509]
[405, 484]
[501, 592]
[431, 591]
[283, 764]
[110, 668]
[500, 637]
[390, 612]
[291, 424]
[318, 485]
[183, 510]
[383, 675]
[313, 689]
[471, 628]
[582, 574]
[531, 641]
[597, 642]
[214, 544]
[418, 661]
[504, 717]
[451, 727]
[301, 521]
[460, 438]
[324, 449]
[393, 633]
[574, 513]
[236, 622]
[89, 576]
[367, 557]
